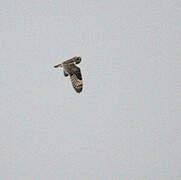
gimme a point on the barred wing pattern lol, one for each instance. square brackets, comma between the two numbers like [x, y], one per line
[75, 76]
[76, 83]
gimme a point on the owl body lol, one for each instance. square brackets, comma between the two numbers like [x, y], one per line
[70, 69]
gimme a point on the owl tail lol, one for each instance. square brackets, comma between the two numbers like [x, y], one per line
[58, 65]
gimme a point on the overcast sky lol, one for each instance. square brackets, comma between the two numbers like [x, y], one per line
[126, 122]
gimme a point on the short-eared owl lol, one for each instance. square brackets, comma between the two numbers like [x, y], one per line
[70, 69]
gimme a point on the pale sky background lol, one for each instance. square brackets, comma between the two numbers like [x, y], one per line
[125, 125]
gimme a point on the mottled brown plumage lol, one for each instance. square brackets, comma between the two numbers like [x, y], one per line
[70, 69]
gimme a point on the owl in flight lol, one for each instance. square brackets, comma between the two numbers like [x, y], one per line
[70, 69]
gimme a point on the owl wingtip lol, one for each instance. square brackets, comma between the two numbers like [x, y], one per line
[58, 65]
[79, 90]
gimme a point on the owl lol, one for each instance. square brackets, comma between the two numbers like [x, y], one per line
[70, 69]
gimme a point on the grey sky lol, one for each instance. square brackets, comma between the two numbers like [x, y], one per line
[126, 122]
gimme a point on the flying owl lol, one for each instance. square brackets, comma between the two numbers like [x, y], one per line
[70, 69]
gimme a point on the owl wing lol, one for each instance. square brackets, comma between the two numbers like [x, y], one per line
[76, 79]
